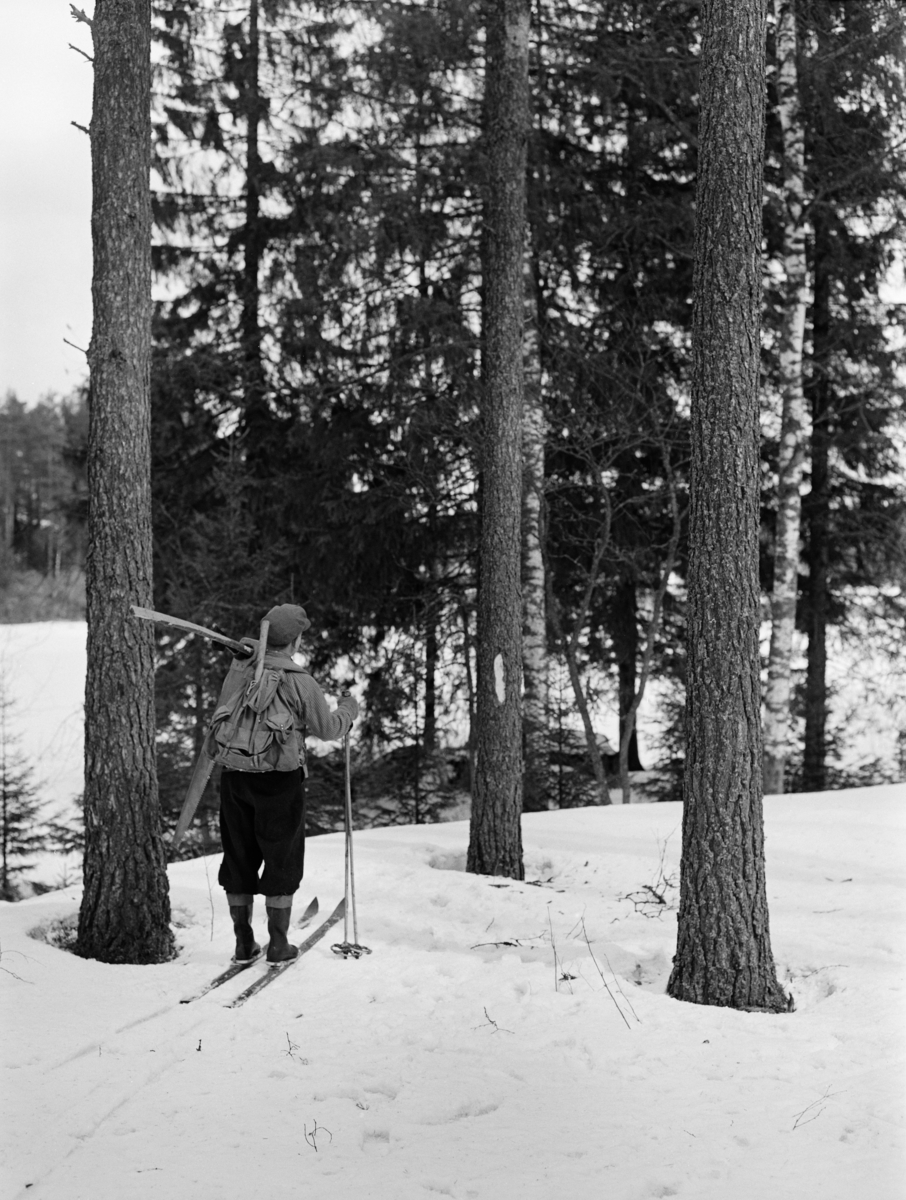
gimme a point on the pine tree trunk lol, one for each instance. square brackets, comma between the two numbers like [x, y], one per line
[125, 911]
[723, 953]
[817, 512]
[536, 786]
[791, 456]
[495, 838]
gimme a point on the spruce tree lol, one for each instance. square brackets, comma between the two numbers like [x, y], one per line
[370, 361]
[362, 236]
[22, 832]
[854, 107]
[611, 206]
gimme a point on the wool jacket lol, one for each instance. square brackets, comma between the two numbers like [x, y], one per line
[301, 692]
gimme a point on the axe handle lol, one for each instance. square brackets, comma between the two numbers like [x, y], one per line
[262, 649]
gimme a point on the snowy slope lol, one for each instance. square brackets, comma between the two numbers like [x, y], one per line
[448, 1063]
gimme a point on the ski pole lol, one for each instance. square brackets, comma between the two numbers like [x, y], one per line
[347, 840]
[355, 927]
[347, 948]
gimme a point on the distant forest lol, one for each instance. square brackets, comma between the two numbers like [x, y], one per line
[315, 421]
[43, 498]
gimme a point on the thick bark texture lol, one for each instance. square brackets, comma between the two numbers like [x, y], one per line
[793, 432]
[817, 512]
[495, 840]
[723, 953]
[125, 912]
[537, 783]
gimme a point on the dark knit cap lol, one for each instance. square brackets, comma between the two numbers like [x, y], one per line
[287, 621]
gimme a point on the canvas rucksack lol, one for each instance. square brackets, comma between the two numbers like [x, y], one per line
[256, 729]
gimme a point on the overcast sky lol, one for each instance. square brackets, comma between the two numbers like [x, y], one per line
[45, 198]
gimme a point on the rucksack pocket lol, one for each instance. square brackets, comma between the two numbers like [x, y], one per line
[256, 731]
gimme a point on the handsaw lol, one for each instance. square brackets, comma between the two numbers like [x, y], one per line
[148, 614]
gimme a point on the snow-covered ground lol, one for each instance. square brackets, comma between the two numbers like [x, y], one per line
[42, 677]
[455, 1060]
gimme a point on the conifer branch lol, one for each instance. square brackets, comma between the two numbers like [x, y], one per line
[80, 16]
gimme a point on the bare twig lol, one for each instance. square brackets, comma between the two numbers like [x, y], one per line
[78, 50]
[84, 129]
[78, 15]
[828, 1095]
[791, 975]
[616, 980]
[554, 948]
[490, 1021]
[651, 900]
[210, 893]
[603, 980]
[292, 1048]
[7, 971]
[312, 1136]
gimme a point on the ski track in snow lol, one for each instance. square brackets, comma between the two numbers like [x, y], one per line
[446, 1063]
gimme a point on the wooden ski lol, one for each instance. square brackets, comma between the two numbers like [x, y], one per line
[236, 968]
[280, 968]
[197, 784]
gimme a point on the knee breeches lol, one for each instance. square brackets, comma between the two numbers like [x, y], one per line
[262, 822]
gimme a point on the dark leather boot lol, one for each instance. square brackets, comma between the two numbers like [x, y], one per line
[279, 950]
[247, 949]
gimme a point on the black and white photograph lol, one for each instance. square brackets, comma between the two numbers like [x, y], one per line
[453, 599]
